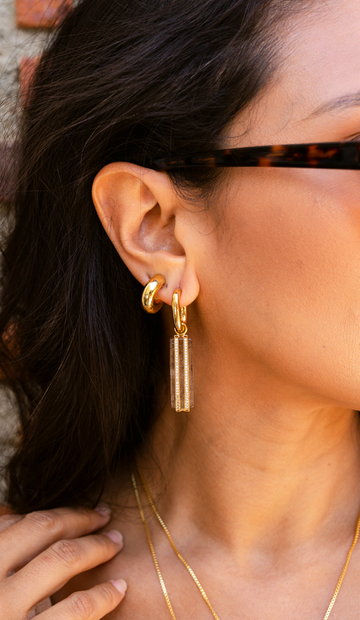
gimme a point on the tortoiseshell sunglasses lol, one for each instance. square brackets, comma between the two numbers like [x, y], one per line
[334, 155]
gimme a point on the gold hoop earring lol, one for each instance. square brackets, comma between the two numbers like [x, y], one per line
[149, 301]
[181, 364]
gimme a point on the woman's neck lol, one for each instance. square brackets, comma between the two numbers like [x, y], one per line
[257, 464]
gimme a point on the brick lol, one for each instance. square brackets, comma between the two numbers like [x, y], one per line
[26, 70]
[41, 13]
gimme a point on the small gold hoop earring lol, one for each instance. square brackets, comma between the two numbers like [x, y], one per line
[149, 301]
[179, 314]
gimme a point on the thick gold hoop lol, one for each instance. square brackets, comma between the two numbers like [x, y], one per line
[179, 314]
[149, 301]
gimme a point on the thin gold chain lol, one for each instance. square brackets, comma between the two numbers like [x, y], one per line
[339, 584]
[162, 583]
[182, 559]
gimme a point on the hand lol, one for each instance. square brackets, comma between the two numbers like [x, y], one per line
[40, 552]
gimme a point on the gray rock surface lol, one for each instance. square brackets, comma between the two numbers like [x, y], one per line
[14, 44]
[9, 435]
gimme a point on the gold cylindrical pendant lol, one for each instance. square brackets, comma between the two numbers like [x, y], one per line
[181, 373]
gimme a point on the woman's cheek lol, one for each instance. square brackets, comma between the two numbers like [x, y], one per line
[285, 268]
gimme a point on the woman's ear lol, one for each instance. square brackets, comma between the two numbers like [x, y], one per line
[143, 216]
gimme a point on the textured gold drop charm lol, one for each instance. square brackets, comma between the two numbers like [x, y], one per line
[181, 366]
[181, 373]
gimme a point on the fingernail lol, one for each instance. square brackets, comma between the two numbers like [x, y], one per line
[120, 585]
[115, 536]
[103, 509]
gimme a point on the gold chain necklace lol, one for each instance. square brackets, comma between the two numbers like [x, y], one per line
[182, 559]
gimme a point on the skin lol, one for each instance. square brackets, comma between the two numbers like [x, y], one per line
[262, 478]
[43, 550]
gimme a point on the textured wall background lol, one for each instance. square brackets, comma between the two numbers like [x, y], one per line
[15, 44]
[24, 25]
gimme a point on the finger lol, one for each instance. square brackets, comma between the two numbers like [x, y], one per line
[50, 570]
[32, 534]
[90, 604]
[8, 519]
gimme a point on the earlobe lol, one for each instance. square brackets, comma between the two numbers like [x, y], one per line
[138, 209]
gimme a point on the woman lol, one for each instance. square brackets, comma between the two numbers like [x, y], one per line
[259, 483]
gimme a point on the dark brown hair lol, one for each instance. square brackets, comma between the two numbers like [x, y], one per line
[128, 80]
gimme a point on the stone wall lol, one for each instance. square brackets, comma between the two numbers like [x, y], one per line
[16, 43]
[24, 26]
